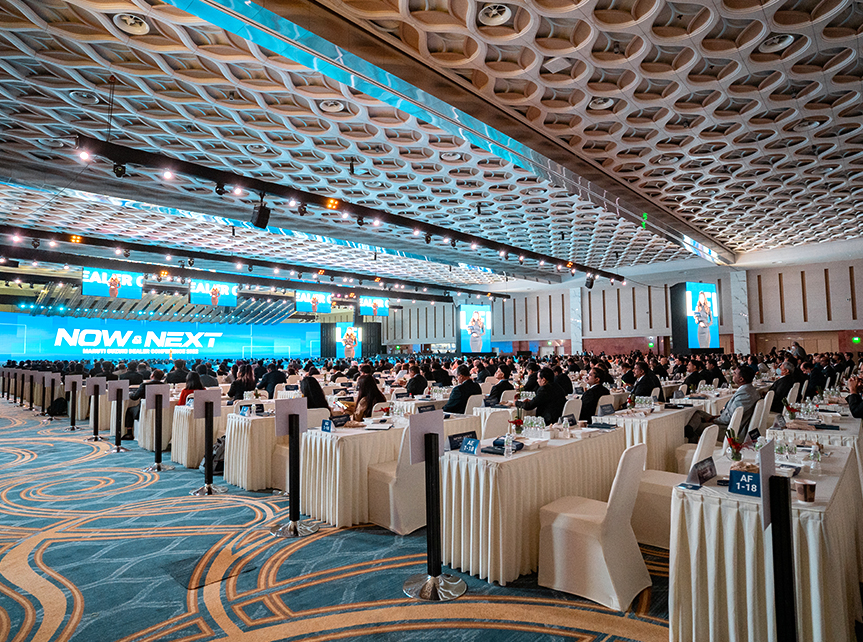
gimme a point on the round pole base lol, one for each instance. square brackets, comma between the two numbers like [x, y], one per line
[118, 449]
[442, 588]
[281, 493]
[209, 489]
[157, 468]
[294, 529]
[95, 438]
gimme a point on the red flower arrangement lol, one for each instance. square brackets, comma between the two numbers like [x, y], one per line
[735, 446]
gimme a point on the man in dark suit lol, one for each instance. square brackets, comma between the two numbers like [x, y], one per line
[132, 375]
[208, 380]
[134, 412]
[855, 402]
[693, 376]
[645, 381]
[465, 389]
[782, 386]
[549, 400]
[532, 384]
[272, 378]
[179, 373]
[628, 376]
[441, 376]
[562, 379]
[815, 377]
[503, 384]
[417, 384]
[712, 371]
[591, 396]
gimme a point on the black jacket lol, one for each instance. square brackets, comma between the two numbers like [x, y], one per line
[460, 394]
[417, 385]
[532, 384]
[590, 400]
[442, 377]
[644, 386]
[133, 377]
[548, 403]
[565, 383]
[270, 380]
[855, 403]
[177, 376]
[498, 389]
[781, 387]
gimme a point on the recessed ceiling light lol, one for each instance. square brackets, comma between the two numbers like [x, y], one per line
[493, 15]
[775, 44]
[134, 25]
[450, 156]
[84, 97]
[332, 106]
[53, 143]
[599, 104]
[257, 148]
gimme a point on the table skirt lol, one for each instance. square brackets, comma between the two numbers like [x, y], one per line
[249, 444]
[187, 436]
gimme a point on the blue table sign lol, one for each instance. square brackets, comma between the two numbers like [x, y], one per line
[743, 483]
[327, 425]
[470, 446]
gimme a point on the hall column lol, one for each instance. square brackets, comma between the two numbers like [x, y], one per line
[576, 335]
[740, 311]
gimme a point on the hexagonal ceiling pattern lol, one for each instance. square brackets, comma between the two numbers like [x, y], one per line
[190, 90]
[743, 117]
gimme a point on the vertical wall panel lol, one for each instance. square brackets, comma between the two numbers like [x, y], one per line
[760, 302]
[781, 300]
[589, 311]
[634, 308]
[604, 316]
[667, 309]
[827, 300]
[853, 292]
[564, 310]
[619, 320]
[719, 296]
[803, 301]
[650, 307]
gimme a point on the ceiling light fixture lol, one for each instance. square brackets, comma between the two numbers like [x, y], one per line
[220, 189]
[600, 104]
[167, 174]
[119, 170]
[775, 44]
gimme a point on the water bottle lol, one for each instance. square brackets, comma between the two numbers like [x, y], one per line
[564, 431]
[507, 445]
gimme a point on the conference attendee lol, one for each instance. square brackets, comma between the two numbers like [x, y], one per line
[693, 375]
[465, 389]
[208, 380]
[628, 376]
[855, 402]
[193, 382]
[660, 367]
[179, 373]
[590, 398]
[231, 377]
[562, 379]
[245, 382]
[417, 384]
[712, 371]
[782, 386]
[272, 378]
[368, 394]
[441, 376]
[645, 381]
[132, 375]
[798, 351]
[502, 384]
[532, 383]
[815, 378]
[134, 412]
[549, 399]
[314, 394]
[746, 396]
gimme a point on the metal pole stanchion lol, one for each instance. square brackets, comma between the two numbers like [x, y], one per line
[783, 559]
[32, 391]
[44, 390]
[118, 424]
[294, 527]
[21, 396]
[158, 467]
[73, 405]
[94, 415]
[208, 488]
[433, 586]
[15, 390]
[53, 395]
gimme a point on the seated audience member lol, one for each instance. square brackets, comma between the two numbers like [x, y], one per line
[193, 382]
[746, 396]
[314, 394]
[502, 384]
[134, 412]
[465, 389]
[549, 400]
[368, 394]
[245, 382]
[591, 396]
[271, 379]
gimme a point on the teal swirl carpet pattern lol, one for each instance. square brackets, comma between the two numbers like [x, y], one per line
[93, 549]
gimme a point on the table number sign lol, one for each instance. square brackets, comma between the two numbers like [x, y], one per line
[579, 390]
[701, 472]
[402, 395]
[606, 409]
[743, 483]
[470, 446]
[340, 420]
[429, 407]
[327, 425]
[455, 441]
[571, 418]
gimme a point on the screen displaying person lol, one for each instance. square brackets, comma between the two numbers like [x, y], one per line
[476, 331]
[703, 315]
[350, 343]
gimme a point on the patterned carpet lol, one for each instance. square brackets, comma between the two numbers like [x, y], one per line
[93, 549]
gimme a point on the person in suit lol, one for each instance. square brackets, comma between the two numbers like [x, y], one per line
[465, 389]
[645, 381]
[855, 402]
[693, 375]
[562, 380]
[549, 400]
[207, 380]
[591, 396]
[502, 384]
[417, 384]
[628, 376]
[179, 373]
[815, 377]
[532, 383]
[133, 413]
[271, 379]
[132, 375]
[712, 371]
[746, 396]
[782, 386]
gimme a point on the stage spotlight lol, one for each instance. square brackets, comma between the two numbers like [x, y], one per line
[261, 214]
[360, 221]
[191, 262]
[127, 253]
[119, 170]
[428, 237]
[302, 210]
[35, 243]
[588, 282]
[220, 189]
[250, 268]
[453, 242]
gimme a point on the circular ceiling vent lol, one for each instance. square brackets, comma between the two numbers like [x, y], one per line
[84, 97]
[494, 15]
[332, 106]
[257, 149]
[805, 125]
[450, 156]
[775, 44]
[53, 143]
[599, 104]
[133, 25]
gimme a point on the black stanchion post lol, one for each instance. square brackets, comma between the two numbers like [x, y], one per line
[208, 444]
[32, 391]
[5, 392]
[295, 527]
[157, 428]
[207, 401]
[44, 391]
[96, 391]
[119, 397]
[23, 382]
[15, 391]
[53, 392]
[157, 397]
[783, 559]
[73, 405]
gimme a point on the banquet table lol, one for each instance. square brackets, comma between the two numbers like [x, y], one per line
[112, 415]
[662, 431]
[104, 412]
[491, 505]
[484, 411]
[334, 467]
[847, 433]
[187, 435]
[145, 428]
[720, 577]
[249, 445]
[712, 404]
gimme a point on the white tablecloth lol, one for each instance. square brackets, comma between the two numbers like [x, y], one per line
[104, 412]
[249, 444]
[112, 415]
[720, 577]
[662, 431]
[187, 435]
[409, 406]
[491, 504]
[714, 404]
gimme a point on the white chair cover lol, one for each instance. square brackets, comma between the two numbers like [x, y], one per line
[508, 395]
[377, 409]
[397, 492]
[486, 386]
[316, 416]
[603, 400]
[757, 414]
[474, 401]
[496, 424]
[767, 415]
[572, 407]
[792, 394]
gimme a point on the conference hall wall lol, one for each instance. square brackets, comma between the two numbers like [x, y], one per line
[36, 337]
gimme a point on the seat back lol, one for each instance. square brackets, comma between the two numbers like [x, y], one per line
[474, 401]
[716, 382]
[765, 414]
[315, 417]
[803, 390]
[706, 444]
[292, 379]
[486, 386]
[683, 388]
[734, 424]
[792, 394]
[377, 409]
[624, 488]
[496, 424]
[572, 407]
[508, 395]
[279, 387]
[656, 392]
[603, 400]
[757, 417]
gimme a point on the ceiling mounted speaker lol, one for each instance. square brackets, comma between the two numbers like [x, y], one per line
[332, 106]
[775, 44]
[84, 97]
[257, 149]
[598, 104]
[494, 15]
[133, 25]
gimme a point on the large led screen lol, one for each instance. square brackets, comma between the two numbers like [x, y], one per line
[26, 337]
[349, 341]
[702, 315]
[117, 285]
[316, 302]
[374, 306]
[475, 324]
[213, 293]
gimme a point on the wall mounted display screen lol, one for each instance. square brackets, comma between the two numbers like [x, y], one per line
[349, 341]
[475, 324]
[23, 336]
[702, 315]
[117, 285]
[316, 302]
[374, 306]
[213, 293]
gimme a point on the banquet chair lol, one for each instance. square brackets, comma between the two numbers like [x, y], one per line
[716, 382]
[656, 392]
[496, 424]
[757, 417]
[603, 400]
[279, 387]
[803, 390]
[486, 386]
[767, 416]
[474, 401]
[396, 492]
[587, 547]
[315, 417]
[651, 517]
[508, 395]
[572, 407]
[685, 453]
[792, 394]
[377, 409]
[684, 389]
[293, 379]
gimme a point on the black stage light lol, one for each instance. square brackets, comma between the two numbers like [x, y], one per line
[588, 282]
[453, 242]
[119, 170]
[360, 221]
[302, 210]
[261, 214]
[220, 189]
[191, 262]
[127, 253]
[250, 268]
[428, 237]
[35, 243]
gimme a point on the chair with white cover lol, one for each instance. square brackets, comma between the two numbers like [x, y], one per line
[572, 407]
[604, 400]
[378, 408]
[474, 401]
[792, 394]
[508, 395]
[767, 416]
[315, 417]
[686, 452]
[486, 386]
[396, 492]
[279, 387]
[757, 417]
[496, 424]
[715, 383]
[587, 547]
[803, 390]
[684, 389]
[656, 392]
[651, 518]
[293, 379]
